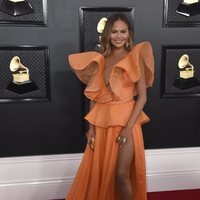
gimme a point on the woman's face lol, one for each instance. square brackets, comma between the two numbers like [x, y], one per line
[119, 35]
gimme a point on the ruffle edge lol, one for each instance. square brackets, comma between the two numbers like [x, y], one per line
[141, 54]
[89, 67]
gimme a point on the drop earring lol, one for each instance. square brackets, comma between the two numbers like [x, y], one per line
[127, 45]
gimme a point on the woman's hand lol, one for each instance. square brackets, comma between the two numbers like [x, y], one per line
[91, 137]
[125, 134]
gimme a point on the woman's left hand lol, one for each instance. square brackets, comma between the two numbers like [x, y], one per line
[125, 134]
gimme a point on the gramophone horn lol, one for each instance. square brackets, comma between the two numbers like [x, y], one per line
[184, 61]
[101, 24]
[15, 64]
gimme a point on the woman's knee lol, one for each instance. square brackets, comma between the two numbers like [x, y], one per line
[122, 177]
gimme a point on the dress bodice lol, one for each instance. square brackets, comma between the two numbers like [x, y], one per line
[117, 97]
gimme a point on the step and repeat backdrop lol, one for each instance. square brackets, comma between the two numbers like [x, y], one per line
[42, 106]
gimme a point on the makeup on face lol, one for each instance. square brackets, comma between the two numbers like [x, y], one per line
[119, 35]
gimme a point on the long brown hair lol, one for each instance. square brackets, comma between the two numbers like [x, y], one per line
[105, 46]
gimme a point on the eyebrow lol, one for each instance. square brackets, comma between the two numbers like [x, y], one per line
[124, 29]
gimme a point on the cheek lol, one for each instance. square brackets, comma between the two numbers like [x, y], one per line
[112, 36]
[126, 36]
[112, 39]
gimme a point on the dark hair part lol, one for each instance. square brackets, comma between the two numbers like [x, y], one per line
[105, 37]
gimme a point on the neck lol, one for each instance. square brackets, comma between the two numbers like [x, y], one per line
[118, 51]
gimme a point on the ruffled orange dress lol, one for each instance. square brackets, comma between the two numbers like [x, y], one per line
[95, 178]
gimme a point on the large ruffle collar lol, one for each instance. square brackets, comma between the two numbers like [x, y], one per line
[89, 67]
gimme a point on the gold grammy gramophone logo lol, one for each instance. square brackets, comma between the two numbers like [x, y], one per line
[20, 82]
[20, 72]
[100, 28]
[188, 8]
[16, 7]
[186, 68]
[186, 79]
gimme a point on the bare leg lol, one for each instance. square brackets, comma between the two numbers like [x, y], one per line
[124, 161]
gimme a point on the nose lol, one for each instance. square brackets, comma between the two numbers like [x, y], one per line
[119, 35]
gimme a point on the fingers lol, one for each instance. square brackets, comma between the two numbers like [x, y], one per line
[91, 142]
[121, 140]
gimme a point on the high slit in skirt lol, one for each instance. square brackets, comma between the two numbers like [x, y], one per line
[96, 176]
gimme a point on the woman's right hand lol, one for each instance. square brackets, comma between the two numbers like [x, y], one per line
[91, 137]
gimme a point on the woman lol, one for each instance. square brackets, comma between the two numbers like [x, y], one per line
[113, 165]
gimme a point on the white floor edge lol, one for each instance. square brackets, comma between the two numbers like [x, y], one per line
[49, 177]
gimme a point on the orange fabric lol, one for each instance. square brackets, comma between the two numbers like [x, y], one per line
[95, 179]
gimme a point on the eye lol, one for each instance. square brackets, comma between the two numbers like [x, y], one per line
[124, 31]
[113, 31]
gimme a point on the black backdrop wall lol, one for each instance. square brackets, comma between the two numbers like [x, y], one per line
[55, 126]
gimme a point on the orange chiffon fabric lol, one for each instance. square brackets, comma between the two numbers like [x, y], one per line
[95, 178]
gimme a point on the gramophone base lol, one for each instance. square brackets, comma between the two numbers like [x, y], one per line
[188, 10]
[16, 8]
[184, 84]
[23, 88]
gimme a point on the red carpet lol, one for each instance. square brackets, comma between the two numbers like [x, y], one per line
[174, 195]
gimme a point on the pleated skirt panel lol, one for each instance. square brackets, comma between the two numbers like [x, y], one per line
[95, 178]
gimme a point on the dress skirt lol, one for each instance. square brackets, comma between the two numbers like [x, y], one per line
[95, 178]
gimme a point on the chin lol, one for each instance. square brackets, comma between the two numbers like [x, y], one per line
[118, 46]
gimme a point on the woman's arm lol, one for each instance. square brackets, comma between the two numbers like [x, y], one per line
[140, 101]
[91, 131]
[92, 102]
[138, 107]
